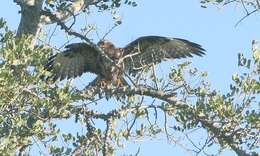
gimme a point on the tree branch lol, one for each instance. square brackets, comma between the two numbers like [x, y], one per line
[221, 136]
[32, 20]
[171, 99]
[105, 150]
[69, 11]
[30, 17]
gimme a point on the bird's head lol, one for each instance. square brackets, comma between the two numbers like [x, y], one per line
[110, 49]
[104, 44]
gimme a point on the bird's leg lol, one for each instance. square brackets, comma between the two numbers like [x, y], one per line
[103, 83]
[119, 83]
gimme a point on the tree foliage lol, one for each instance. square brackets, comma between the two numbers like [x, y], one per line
[177, 105]
[27, 103]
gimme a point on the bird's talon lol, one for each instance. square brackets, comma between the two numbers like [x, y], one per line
[119, 83]
[103, 83]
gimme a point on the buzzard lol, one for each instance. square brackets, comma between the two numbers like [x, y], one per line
[113, 62]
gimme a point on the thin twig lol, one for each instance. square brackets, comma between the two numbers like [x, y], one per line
[247, 15]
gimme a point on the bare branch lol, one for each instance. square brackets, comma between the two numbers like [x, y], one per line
[69, 11]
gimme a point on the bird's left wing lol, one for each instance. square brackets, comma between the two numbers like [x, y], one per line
[149, 50]
[77, 59]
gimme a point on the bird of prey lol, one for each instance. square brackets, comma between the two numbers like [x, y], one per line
[143, 52]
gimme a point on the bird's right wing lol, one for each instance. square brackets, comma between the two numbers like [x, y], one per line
[77, 59]
[148, 50]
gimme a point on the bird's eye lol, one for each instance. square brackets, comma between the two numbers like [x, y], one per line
[101, 43]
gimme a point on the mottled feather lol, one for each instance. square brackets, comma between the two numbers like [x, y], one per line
[149, 50]
[77, 59]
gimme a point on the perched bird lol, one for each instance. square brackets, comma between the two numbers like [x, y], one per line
[79, 58]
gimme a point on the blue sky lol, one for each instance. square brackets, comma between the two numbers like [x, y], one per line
[213, 28]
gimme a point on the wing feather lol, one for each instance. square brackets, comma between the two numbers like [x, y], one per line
[76, 59]
[149, 50]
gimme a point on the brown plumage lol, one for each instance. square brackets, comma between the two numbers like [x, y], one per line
[79, 58]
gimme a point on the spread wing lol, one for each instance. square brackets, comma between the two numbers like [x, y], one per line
[77, 59]
[149, 50]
